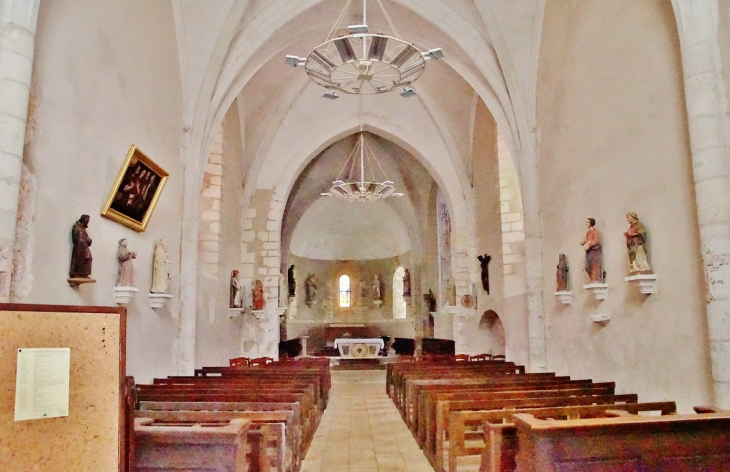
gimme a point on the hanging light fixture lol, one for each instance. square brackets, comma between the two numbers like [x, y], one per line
[362, 63]
[361, 183]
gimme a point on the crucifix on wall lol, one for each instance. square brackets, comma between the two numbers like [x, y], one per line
[484, 261]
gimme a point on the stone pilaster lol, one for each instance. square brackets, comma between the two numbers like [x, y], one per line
[708, 132]
[17, 41]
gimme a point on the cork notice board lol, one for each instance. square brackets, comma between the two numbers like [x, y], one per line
[90, 438]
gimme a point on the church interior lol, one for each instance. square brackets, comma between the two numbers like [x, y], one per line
[362, 195]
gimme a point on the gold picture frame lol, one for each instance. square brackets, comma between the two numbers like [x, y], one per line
[135, 192]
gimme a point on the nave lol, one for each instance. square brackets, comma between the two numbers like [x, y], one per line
[361, 430]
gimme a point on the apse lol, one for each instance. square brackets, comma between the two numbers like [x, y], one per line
[332, 229]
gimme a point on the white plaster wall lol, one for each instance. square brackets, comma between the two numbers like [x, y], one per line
[106, 76]
[614, 136]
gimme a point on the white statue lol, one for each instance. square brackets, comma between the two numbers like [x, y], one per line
[125, 274]
[160, 268]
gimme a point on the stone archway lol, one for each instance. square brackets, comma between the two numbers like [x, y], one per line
[491, 333]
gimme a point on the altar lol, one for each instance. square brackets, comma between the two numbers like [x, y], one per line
[363, 348]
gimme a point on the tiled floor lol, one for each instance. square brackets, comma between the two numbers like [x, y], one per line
[362, 431]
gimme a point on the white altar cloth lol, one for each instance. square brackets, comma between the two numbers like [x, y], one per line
[354, 348]
[377, 341]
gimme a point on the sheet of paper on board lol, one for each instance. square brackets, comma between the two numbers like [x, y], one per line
[42, 383]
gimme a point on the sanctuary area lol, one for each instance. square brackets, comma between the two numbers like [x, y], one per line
[365, 235]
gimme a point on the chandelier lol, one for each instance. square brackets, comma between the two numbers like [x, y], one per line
[352, 189]
[362, 63]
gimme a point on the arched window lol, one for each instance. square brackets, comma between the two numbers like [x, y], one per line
[344, 291]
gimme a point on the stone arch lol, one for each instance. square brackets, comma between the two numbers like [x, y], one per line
[492, 333]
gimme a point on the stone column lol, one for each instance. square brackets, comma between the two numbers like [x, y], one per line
[18, 20]
[708, 133]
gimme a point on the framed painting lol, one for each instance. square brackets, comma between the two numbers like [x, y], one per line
[135, 192]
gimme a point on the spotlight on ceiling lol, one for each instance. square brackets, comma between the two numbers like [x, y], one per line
[407, 92]
[435, 54]
[331, 95]
[295, 61]
[357, 29]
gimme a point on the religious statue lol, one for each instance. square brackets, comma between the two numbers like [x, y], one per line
[451, 292]
[258, 296]
[430, 300]
[80, 254]
[235, 297]
[377, 288]
[562, 273]
[407, 283]
[125, 274]
[592, 247]
[310, 290]
[484, 262]
[160, 268]
[637, 245]
[292, 281]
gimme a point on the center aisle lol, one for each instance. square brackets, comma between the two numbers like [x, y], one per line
[362, 431]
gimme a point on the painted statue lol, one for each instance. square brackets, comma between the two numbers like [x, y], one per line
[235, 297]
[430, 300]
[377, 288]
[125, 273]
[160, 268]
[484, 262]
[637, 245]
[592, 246]
[292, 281]
[562, 273]
[81, 253]
[258, 296]
[407, 283]
[310, 290]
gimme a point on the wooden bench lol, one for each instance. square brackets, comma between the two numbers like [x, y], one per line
[294, 441]
[229, 447]
[436, 427]
[274, 425]
[493, 435]
[628, 443]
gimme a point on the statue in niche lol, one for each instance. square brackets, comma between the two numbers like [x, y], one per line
[292, 280]
[81, 253]
[407, 283]
[592, 246]
[377, 288]
[484, 262]
[562, 273]
[310, 290]
[258, 300]
[430, 300]
[160, 268]
[235, 298]
[637, 245]
[125, 274]
[451, 292]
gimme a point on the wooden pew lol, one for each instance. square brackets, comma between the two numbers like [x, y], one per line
[496, 434]
[308, 421]
[436, 427]
[427, 412]
[214, 448]
[294, 436]
[627, 443]
[274, 425]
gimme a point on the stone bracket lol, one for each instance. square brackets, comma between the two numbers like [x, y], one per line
[646, 283]
[604, 318]
[235, 312]
[158, 300]
[123, 295]
[564, 296]
[599, 290]
[76, 281]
